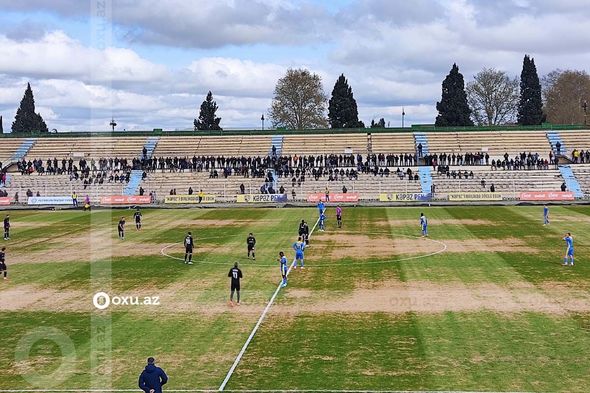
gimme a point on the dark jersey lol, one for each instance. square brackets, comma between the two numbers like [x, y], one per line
[6, 222]
[251, 241]
[303, 229]
[137, 216]
[121, 225]
[188, 242]
[235, 274]
[2, 257]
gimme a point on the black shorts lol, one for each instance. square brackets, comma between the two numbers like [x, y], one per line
[188, 249]
[250, 247]
[339, 218]
[235, 286]
[138, 221]
[2, 266]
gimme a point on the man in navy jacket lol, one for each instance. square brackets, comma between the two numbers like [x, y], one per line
[152, 378]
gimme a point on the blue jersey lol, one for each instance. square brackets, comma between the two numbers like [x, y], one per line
[284, 265]
[321, 207]
[570, 242]
[299, 247]
[545, 211]
[423, 221]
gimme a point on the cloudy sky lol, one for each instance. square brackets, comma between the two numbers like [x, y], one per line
[150, 63]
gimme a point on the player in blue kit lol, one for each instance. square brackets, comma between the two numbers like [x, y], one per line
[322, 221]
[283, 261]
[298, 246]
[569, 251]
[424, 225]
[545, 215]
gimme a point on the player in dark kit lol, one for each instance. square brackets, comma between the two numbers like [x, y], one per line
[137, 216]
[7, 227]
[3, 269]
[304, 231]
[189, 244]
[235, 274]
[121, 228]
[251, 242]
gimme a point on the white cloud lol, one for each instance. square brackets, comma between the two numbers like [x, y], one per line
[56, 55]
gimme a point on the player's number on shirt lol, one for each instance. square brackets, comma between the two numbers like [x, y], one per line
[235, 275]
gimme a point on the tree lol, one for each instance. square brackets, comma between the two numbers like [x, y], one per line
[379, 124]
[342, 109]
[565, 93]
[207, 119]
[1, 126]
[492, 97]
[530, 106]
[299, 101]
[452, 108]
[26, 120]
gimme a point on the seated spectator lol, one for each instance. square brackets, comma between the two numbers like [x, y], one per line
[190, 191]
[563, 187]
[242, 189]
[492, 188]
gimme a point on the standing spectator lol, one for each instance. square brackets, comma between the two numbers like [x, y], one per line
[563, 187]
[492, 188]
[201, 195]
[327, 194]
[190, 191]
[152, 378]
[344, 189]
[75, 199]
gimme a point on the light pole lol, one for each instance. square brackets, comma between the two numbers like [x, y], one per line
[403, 116]
[262, 120]
[113, 124]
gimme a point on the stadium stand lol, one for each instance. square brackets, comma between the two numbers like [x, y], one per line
[369, 185]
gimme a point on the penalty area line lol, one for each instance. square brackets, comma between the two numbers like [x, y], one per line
[262, 316]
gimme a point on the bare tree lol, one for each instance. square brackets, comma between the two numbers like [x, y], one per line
[493, 97]
[299, 101]
[565, 93]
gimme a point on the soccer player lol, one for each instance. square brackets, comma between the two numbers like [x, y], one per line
[121, 228]
[7, 227]
[235, 274]
[3, 269]
[304, 231]
[424, 225]
[251, 242]
[322, 221]
[137, 216]
[569, 251]
[283, 261]
[298, 246]
[188, 248]
[339, 216]
[545, 215]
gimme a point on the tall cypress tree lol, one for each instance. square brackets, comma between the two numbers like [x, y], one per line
[1, 126]
[342, 109]
[26, 120]
[453, 109]
[207, 119]
[530, 106]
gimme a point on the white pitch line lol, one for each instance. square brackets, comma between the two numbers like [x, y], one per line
[439, 251]
[262, 316]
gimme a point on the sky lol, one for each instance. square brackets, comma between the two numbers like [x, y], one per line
[150, 63]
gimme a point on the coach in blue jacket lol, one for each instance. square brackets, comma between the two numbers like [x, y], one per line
[152, 378]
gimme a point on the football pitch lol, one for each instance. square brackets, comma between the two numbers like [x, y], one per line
[482, 304]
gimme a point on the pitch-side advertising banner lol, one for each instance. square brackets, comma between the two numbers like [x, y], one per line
[401, 197]
[57, 200]
[475, 196]
[125, 200]
[4, 201]
[338, 197]
[256, 198]
[547, 196]
[189, 199]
